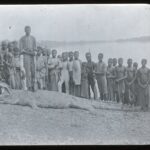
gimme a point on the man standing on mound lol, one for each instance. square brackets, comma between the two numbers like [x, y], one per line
[28, 46]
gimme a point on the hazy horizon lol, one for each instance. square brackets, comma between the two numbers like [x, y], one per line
[84, 22]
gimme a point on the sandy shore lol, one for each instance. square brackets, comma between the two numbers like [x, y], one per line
[23, 125]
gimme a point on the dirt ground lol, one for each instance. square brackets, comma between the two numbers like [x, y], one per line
[21, 125]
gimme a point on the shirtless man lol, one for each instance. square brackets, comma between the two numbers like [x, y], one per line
[120, 73]
[129, 84]
[53, 64]
[143, 77]
[136, 89]
[90, 67]
[101, 70]
[114, 84]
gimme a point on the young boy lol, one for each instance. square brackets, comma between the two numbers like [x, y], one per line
[101, 70]
[120, 74]
[77, 74]
[143, 76]
[110, 79]
[129, 84]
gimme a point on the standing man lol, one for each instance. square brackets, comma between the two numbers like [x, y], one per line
[84, 81]
[101, 70]
[136, 86]
[129, 84]
[28, 46]
[90, 67]
[114, 83]
[53, 64]
[70, 67]
[120, 74]
[11, 68]
[77, 74]
[41, 69]
[143, 76]
[110, 78]
[5, 70]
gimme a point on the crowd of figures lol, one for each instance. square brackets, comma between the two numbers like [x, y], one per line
[29, 67]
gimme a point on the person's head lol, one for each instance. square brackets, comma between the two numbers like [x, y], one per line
[27, 30]
[4, 45]
[48, 52]
[10, 47]
[67, 54]
[15, 44]
[110, 62]
[76, 54]
[129, 62]
[120, 61]
[44, 51]
[114, 61]
[16, 52]
[54, 53]
[39, 52]
[64, 56]
[88, 56]
[59, 57]
[71, 55]
[135, 65]
[100, 56]
[144, 62]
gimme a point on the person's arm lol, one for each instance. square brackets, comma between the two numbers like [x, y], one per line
[21, 45]
[50, 64]
[34, 44]
[11, 61]
[138, 79]
[124, 77]
[139, 83]
[23, 51]
[135, 76]
[112, 76]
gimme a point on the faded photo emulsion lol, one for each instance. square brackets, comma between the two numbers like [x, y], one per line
[75, 74]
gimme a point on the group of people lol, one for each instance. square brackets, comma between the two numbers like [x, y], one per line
[29, 67]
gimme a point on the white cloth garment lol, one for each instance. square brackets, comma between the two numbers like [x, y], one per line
[77, 72]
[64, 78]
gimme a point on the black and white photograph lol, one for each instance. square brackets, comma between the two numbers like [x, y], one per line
[75, 74]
